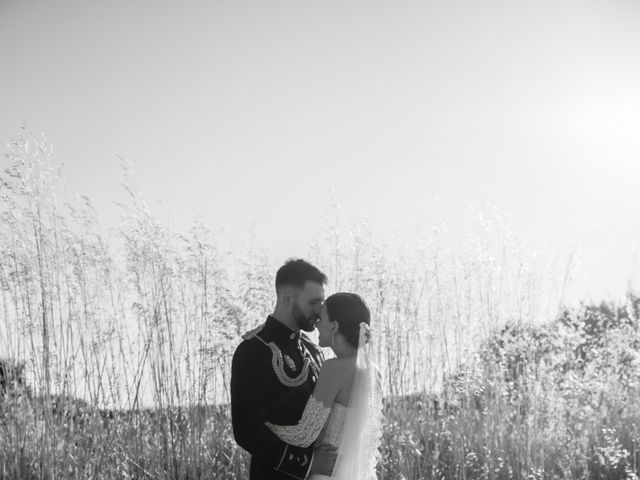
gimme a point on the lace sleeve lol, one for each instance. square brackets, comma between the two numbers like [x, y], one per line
[305, 432]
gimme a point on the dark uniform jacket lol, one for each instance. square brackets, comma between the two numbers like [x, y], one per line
[273, 373]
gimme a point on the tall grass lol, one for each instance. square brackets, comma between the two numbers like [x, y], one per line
[128, 350]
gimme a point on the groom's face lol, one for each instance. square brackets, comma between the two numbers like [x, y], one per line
[307, 304]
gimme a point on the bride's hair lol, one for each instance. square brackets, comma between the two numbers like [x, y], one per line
[349, 310]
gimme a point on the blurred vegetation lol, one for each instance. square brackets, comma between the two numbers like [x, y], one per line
[115, 362]
[559, 400]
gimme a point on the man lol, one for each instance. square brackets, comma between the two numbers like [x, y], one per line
[274, 371]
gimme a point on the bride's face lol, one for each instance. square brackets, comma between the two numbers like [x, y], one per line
[326, 328]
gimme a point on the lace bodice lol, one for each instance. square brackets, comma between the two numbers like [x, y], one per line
[331, 433]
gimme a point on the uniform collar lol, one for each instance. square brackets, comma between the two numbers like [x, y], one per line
[280, 330]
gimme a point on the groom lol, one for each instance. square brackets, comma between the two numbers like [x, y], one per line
[274, 371]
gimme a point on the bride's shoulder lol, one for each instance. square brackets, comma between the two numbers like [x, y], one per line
[339, 365]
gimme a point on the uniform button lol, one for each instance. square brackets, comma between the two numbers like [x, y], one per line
[292, 336]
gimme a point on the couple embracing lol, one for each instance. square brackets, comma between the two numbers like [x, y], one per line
[298, 415]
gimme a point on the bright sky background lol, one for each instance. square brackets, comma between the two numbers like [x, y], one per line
[253, 111]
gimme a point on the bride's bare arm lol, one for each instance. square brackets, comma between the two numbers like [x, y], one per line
[316, 411]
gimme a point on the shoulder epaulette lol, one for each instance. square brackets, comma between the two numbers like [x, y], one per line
[253, 333]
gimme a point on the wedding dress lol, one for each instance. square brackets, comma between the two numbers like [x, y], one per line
[328, 442]
[353, 434]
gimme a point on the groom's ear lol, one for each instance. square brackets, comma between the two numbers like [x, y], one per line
[288, 294]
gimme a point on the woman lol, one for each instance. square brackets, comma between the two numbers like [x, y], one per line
[344, 414]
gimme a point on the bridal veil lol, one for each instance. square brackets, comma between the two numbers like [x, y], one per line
[359, 448]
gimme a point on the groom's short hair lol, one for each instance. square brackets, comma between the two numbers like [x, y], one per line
[296, 272]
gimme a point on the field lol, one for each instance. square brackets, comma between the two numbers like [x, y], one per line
[116, 360]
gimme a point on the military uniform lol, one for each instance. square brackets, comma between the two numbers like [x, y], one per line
[273, 373]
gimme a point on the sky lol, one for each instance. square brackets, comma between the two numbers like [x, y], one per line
[253, 113]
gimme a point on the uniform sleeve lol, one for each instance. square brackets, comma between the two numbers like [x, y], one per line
[316, 411]
[306, 431]
[251, 378]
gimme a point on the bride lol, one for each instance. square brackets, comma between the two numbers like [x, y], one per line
[343, 416]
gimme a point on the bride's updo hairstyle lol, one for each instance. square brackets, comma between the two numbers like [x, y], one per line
[349, 310]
